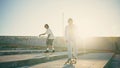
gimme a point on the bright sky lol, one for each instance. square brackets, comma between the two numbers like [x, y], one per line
[92, 17]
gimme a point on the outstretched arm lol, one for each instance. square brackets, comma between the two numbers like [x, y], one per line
[42, 34]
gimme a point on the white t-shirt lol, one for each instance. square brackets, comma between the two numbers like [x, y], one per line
[70, 32]
[51, 34]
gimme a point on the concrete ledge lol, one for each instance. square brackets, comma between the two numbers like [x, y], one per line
[109, 62]
[15, 52]
[33, 61]
[28, 62]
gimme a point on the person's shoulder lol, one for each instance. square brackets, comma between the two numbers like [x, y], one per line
[49, 29]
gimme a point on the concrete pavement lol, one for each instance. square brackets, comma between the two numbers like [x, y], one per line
[56, 60]
[13, 61]
[91, 60]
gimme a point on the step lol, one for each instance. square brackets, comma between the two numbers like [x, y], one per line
[13, 61]
[16, 52]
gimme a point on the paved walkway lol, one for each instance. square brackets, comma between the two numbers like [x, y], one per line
[91, 60]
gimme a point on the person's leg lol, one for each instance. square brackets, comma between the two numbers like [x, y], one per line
[69, 47]
[73, 54]
[69, 50]
[74, 49]
[51, 45]
[53, 49]
[47, 43]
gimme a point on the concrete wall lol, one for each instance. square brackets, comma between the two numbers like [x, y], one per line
[105, 43]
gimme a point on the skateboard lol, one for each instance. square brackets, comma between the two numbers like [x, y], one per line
[71, 61]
